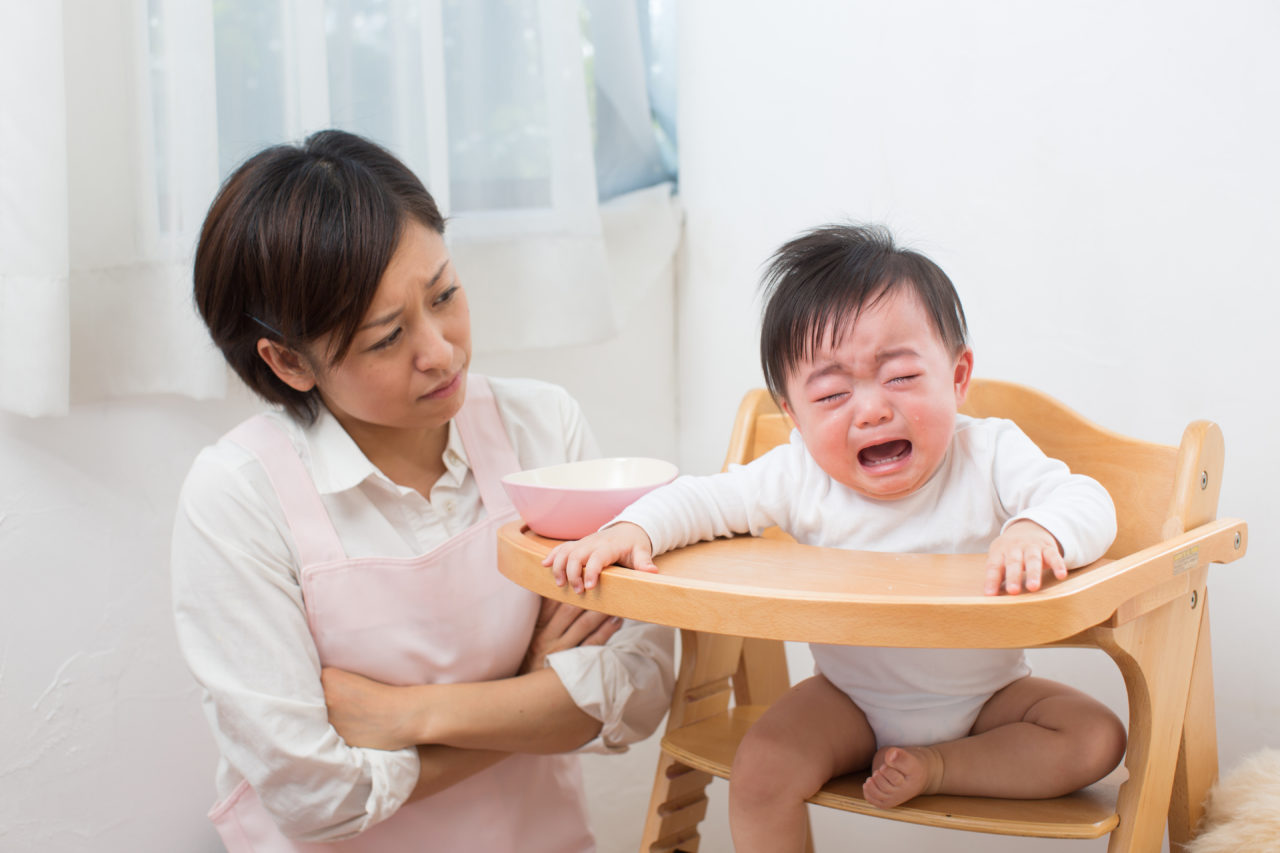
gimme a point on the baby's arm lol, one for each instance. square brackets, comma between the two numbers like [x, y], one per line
[745, 499]
[580, 563]
[1060, 520]
[1019, 556]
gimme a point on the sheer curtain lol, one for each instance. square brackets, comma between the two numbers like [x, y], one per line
[120, 117]
[107, 162]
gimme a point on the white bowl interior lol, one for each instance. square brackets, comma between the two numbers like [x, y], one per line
[629, 472]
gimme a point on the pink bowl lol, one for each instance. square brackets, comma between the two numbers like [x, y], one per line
[572, 500]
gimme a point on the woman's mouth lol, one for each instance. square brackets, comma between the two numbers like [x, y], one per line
[446, 389]
[878, 455]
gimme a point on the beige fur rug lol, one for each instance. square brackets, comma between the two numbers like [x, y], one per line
[1242, 812]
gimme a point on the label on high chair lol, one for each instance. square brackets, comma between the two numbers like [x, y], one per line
[1185, 561]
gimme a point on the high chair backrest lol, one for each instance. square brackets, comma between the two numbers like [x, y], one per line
[760, 426]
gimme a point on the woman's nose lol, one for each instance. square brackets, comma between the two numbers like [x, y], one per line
[432, 349]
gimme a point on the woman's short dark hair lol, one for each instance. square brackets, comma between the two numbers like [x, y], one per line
[815, 286]
[293, 248]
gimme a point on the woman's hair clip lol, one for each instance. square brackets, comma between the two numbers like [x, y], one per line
[272, 329]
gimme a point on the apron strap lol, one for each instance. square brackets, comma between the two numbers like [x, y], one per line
[489, 450]
[313, 535]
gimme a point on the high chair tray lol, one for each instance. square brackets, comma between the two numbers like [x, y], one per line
[781, 590]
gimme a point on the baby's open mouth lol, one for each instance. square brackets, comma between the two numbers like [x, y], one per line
[883, 454]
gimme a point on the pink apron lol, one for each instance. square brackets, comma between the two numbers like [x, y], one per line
[445, 616]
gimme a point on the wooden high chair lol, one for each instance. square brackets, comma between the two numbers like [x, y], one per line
[1144, 604]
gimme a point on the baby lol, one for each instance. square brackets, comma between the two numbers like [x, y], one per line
[864, 346]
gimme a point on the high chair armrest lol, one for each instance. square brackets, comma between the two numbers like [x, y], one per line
[771, 589]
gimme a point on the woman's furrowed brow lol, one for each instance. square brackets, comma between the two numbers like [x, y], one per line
[381, 321]
[391, 315]
[439, 272]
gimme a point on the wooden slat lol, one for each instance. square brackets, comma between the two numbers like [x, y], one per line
[710, 745]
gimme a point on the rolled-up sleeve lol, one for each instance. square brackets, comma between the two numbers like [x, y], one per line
[625, 684]
[243, 632]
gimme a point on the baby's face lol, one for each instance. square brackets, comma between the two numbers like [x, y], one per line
[877, 411]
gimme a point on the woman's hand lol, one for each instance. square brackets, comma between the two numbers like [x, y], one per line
[369, 713]
[1018, 558]
[580, 563]
[563, 626]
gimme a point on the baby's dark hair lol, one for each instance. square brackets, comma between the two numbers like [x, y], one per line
[816, 285]
[294, 246]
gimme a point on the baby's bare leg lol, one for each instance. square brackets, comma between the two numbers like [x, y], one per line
[813, 732]
[1034, 738]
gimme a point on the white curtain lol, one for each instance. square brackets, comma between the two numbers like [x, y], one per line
[106, 165]
[118, 118]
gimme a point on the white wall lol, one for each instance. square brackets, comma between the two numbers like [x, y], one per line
[1100, 181]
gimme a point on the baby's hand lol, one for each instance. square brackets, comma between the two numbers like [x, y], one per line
[581, 562]
[1019, 556]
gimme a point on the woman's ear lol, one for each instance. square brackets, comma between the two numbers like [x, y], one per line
[964, 372]
[292, 369]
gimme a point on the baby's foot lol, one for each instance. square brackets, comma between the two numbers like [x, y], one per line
[902, 772]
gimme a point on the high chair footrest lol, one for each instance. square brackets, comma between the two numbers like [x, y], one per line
[709, 745]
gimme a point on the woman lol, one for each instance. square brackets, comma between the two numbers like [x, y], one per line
[353, 529]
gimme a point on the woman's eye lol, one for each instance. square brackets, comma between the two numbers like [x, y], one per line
[445, 295]
[388, 340]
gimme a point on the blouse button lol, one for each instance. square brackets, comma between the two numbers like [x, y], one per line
[449, 507]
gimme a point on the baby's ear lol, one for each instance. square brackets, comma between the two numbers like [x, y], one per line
[291, 368]
[963, 373]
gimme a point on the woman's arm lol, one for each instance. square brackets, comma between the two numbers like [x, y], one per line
[526, 713]
[442, 767]
[604, 696]
[530, 712]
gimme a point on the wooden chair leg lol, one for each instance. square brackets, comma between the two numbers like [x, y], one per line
[762, 673]
[1154, 651]
[1197, 767]
[678, 802]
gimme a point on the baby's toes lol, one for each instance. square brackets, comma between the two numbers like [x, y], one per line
[871, 792]
[889, 776]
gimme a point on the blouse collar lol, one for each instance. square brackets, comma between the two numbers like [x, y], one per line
[338, 463]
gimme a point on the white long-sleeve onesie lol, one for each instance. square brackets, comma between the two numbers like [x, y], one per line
[991, 476]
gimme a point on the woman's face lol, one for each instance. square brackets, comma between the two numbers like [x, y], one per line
[407, 365]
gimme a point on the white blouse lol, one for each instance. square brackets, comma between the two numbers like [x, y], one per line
[243, 630]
